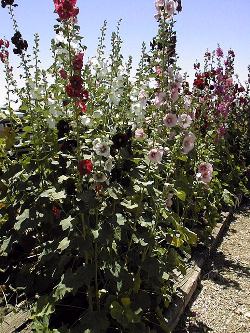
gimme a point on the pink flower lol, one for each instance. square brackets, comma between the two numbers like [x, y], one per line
[223, 109]
[188, 142]
[205, 177]
[205, 172]
[158, 70]
[139, 134]
[184, 120]
[205, 167]
[229, 82]
[155, 155]
[170, 120]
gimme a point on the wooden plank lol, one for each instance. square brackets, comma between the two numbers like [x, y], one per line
[14, 321]
[187, 285]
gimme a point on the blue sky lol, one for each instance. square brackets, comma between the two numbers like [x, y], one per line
[201, 25]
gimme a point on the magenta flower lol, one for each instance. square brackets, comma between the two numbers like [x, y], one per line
[219, 52]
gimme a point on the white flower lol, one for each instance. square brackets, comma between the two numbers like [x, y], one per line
[99, 177]
[152, 83]
[188, 143]
[155, 155]
[86, 121]
[170, 120]
[184, 120]
[101, 148]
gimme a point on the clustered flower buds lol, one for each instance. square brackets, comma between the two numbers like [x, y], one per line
[4, 54]
[19, 43]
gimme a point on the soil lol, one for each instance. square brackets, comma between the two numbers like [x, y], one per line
[221, 303]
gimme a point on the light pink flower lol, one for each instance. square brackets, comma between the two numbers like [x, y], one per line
[188, 142]
[169, 201]
[206, 177]
[184, 120]
[159, 4]
[155, 155]
[170, 120]
[205, 167]
[160, 99]
[174, 94]
[170, 7]
[139, 134]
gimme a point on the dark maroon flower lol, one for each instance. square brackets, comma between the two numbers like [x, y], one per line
[19, 43]
[5, 3]
[74, 88]
[63, 74]
[78, 61]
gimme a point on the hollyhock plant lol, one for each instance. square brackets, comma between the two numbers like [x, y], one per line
[99, 194]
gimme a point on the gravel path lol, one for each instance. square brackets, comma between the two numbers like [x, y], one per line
[222, 302]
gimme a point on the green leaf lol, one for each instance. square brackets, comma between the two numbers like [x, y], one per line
[53, 195]
[120, 219]
[66, 223]
[181, 195]
[60, 291]
[27, 129]
[129, 205]
[25, 215]
[63, 244]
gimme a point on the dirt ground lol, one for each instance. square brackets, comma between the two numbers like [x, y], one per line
[222, 301]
